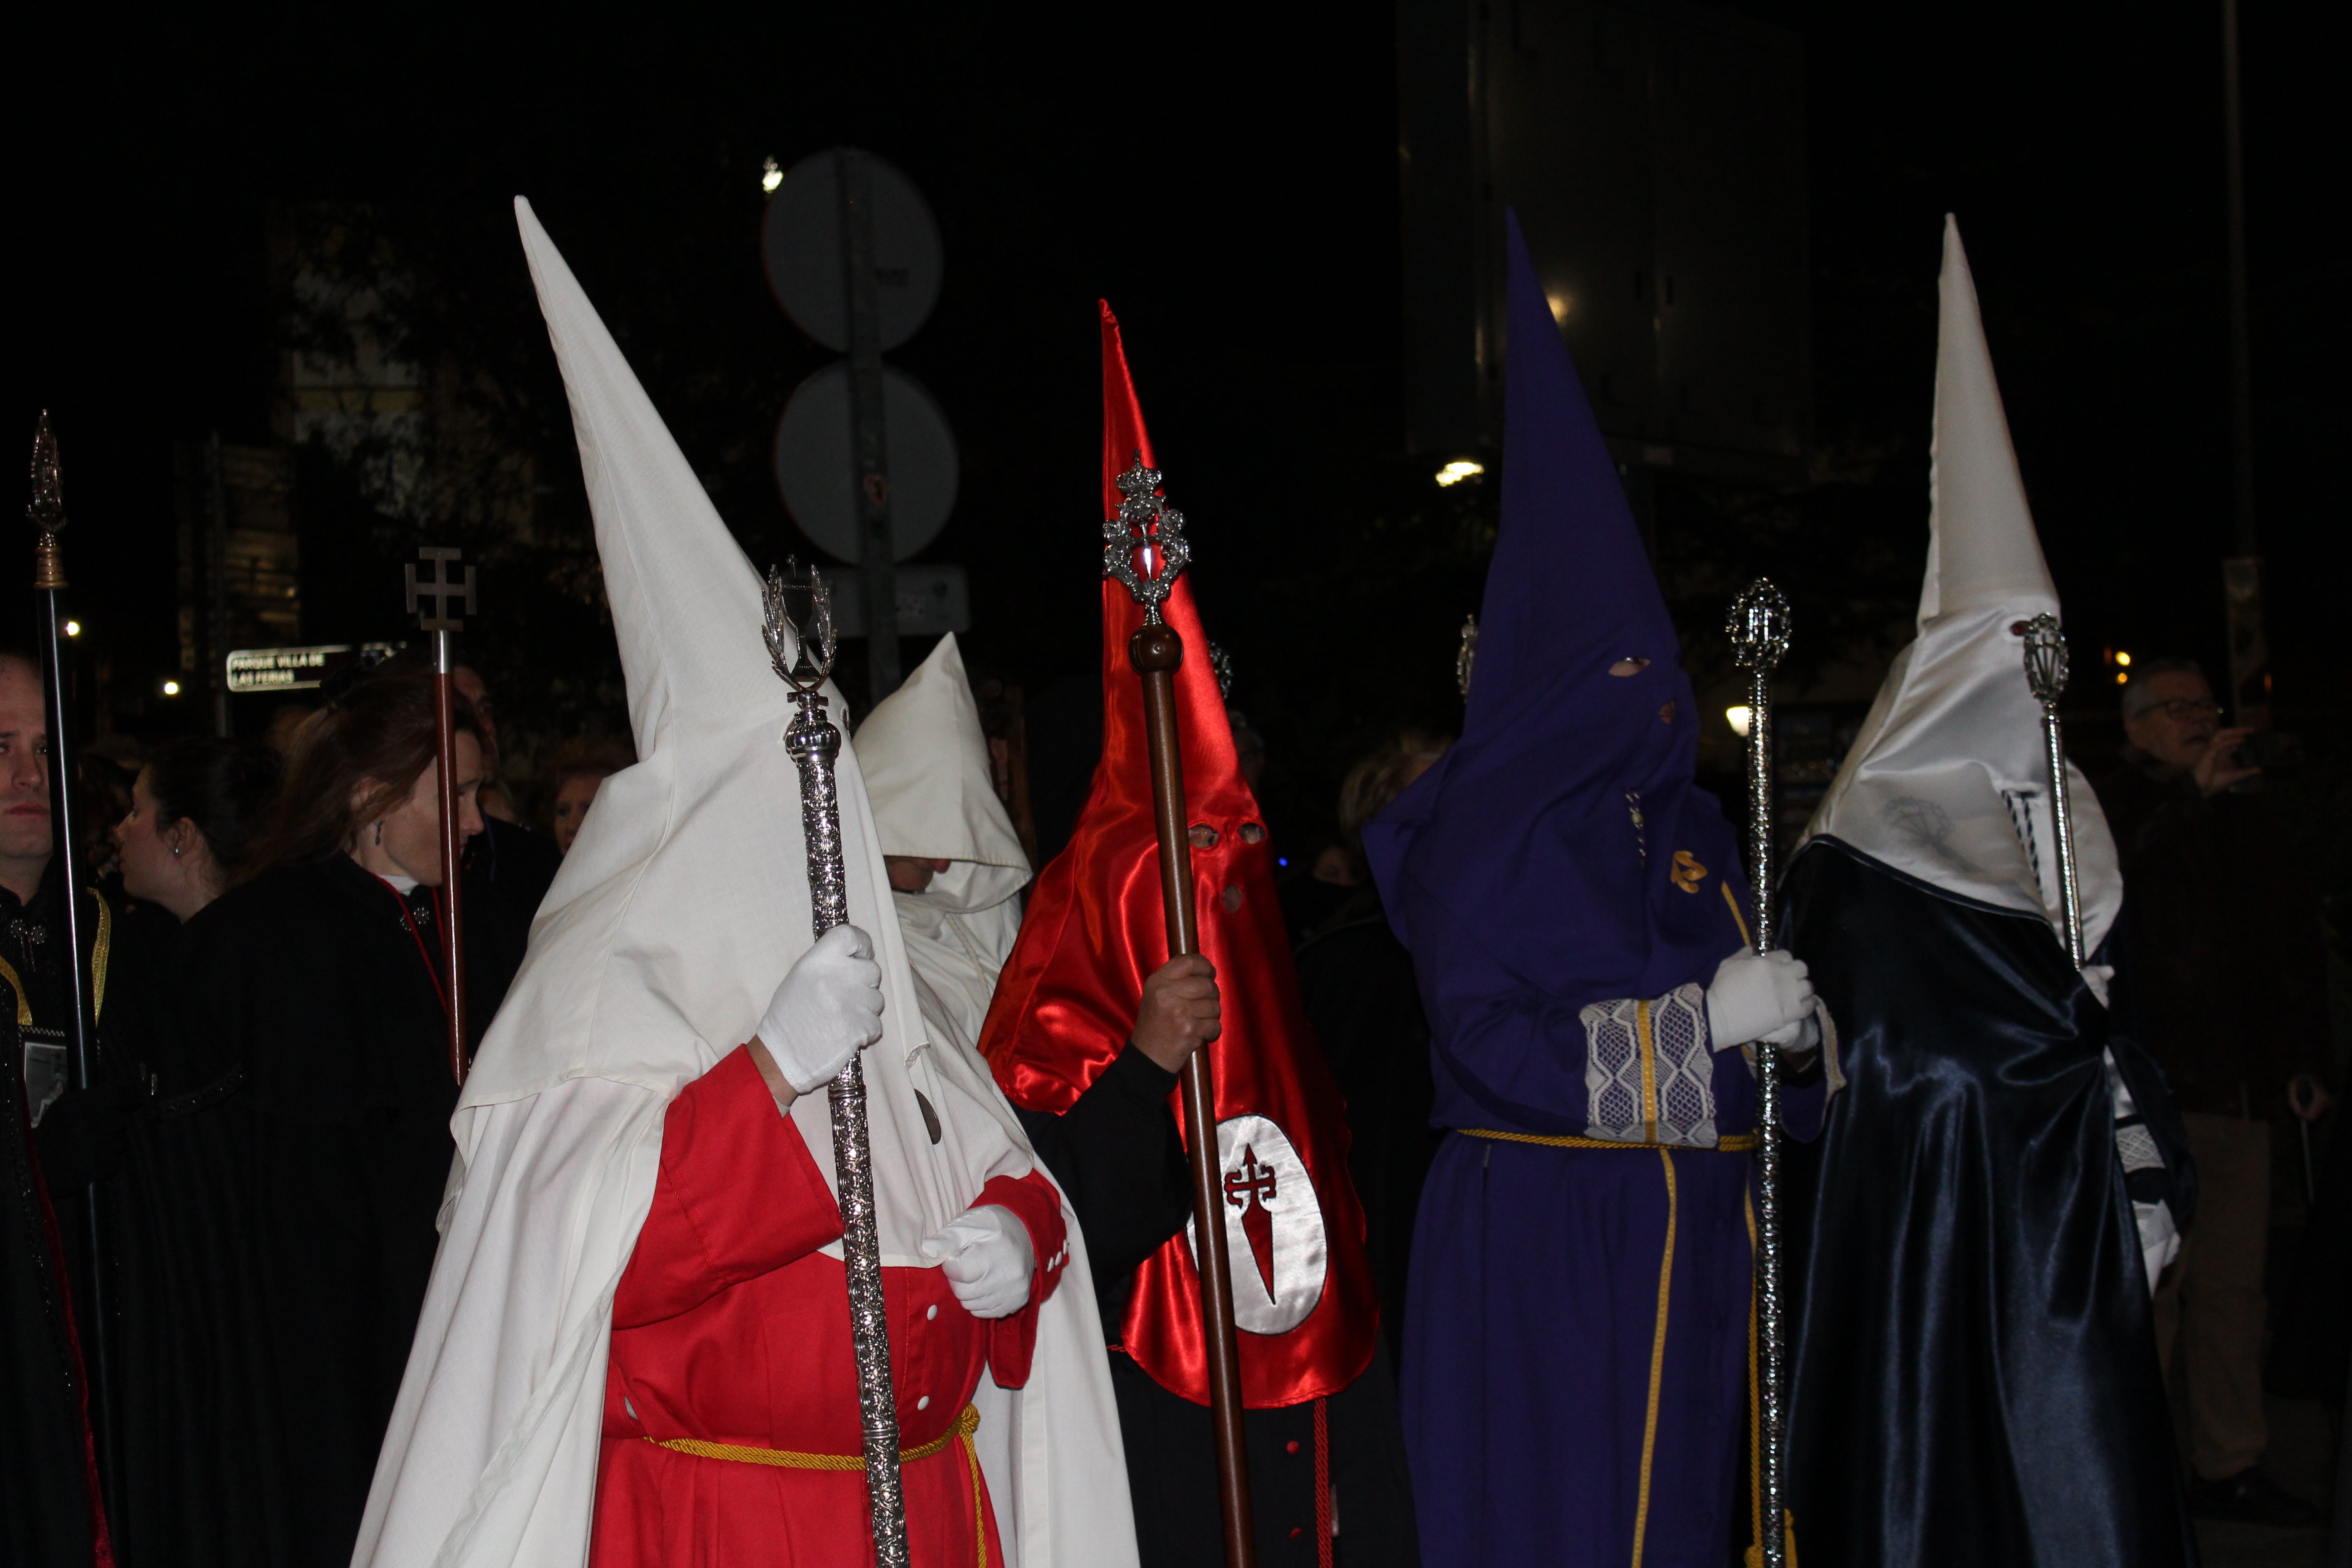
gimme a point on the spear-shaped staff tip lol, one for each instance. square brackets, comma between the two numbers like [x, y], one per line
[46, 510]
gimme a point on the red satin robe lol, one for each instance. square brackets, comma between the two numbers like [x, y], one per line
[730, 1327]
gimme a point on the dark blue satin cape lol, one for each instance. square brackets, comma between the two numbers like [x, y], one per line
[1975, 1380]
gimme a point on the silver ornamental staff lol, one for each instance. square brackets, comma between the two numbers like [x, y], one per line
[1759, 638]
[46, 513]
[2045, 672]
[801, 645]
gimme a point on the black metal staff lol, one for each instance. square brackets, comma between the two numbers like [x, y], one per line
[799, 631]
[1759, 638]
[441, 588]
[1145, 523]
[48, 514]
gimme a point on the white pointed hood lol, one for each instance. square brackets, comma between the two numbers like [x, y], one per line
[1946, 780]
[927, 770]
[680, 907]
[928, 774]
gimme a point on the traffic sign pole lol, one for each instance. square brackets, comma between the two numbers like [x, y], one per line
[869, 431]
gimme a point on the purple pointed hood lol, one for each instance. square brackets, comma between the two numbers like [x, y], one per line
[1562, 847]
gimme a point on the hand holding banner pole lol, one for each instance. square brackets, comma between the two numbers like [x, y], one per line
[1759, 627]
[801, 646]
[442, 588]
[1146, 526]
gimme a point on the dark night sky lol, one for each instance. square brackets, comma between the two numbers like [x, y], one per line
[1231, 186]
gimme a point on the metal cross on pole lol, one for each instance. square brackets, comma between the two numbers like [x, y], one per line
[437, 620]
[1759, 627]
[801, 646]
[1146, 526]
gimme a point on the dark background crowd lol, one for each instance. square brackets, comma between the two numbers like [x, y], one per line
[233, 213]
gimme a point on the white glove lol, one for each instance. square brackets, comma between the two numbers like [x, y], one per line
[1758, 996]
[827, 1010]
[988, 1261]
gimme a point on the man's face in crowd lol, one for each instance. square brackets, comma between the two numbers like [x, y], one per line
[24, 765]
[2177, 723]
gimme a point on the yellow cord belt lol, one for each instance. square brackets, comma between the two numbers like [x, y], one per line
[966, 1423]
[1739, 1142]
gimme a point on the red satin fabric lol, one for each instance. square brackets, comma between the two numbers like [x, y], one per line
[1065, 1003]
[730, 1326]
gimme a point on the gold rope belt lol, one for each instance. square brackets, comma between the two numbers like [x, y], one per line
[967, 1422]
[1737, 1144]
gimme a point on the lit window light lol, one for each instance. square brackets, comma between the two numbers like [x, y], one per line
[1461, 469]
[770, 177]
[171, 688]
[1560, 303]
[2123, 659]
[2121, 678]
[73, 628]
[1739, 718]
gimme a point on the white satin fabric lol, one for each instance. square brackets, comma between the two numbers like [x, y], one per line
[1946, 780]
[682, 904]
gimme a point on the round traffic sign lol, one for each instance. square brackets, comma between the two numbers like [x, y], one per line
[801, 242]
[813, 462]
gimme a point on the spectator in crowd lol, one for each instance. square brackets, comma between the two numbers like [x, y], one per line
[1356, 980]
[578, 772]
[48, 1502]
[2227, 971]
[321, 986]
[197, 1438]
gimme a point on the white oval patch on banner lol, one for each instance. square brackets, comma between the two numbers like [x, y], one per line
[1273, 1227]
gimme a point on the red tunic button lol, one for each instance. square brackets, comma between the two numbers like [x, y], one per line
[1293, 1447]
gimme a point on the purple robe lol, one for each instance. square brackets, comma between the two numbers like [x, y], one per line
[1576, 1361]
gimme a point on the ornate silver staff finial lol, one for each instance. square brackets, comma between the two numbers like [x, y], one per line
[1759, 628]
[1467, 656]
[2045, 658]
[1220, 665]
[797, 624]
[46, 510]
[2045, 676]
[1146, 522]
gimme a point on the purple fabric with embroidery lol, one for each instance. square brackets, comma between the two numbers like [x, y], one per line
[1575, 1369]
[1514, 869]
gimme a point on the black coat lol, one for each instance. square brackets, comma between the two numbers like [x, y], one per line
[45, 1492]
[307, 1003]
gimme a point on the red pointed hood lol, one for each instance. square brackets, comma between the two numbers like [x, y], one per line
[1067, 1003]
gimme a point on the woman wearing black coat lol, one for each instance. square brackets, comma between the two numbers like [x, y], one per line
[306, 1016]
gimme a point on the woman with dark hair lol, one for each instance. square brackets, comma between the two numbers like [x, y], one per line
[310, 998]
[197, 813]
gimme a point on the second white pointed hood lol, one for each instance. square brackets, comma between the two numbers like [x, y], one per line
[928, 774]
[927, 768]
[1946, 780]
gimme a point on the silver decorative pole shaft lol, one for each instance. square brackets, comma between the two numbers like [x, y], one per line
[1758, 626]
[801, 647]
[2045, 672]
